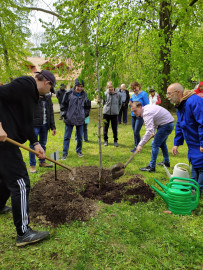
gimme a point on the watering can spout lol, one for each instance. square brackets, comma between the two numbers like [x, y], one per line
[167, 172]
[163, 195]
[161, 185]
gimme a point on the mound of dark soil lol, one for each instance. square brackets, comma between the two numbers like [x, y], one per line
[54, 202]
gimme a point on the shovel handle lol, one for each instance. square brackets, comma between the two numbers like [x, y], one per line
[129, 160]
[36, 153]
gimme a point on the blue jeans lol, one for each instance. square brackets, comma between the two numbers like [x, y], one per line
[160, 141]
[197, 174]
[137, 123]
[67, 137]
[41, 133]
[85, 134]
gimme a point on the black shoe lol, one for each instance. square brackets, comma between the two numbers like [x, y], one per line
[147, 169]
[115, 144]
[30, 237]
[80, 154]
[5, 210]
[167, 164]
[64, 157]
[106, 143]
[133, 150]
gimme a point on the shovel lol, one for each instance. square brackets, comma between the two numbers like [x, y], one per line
[118, 169]
[36, 153]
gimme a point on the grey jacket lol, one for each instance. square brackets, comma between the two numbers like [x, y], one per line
[112, 103]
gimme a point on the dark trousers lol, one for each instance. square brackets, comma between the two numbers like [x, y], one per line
[124, 112]
[114, 124]
[14, 182]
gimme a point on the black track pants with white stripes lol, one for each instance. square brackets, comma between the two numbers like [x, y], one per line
[14, 182]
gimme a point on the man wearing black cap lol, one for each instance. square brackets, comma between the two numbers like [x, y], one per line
[59, 94]
[75, 107]
[17, 102]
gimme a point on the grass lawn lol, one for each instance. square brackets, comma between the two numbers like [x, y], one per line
[120, 236]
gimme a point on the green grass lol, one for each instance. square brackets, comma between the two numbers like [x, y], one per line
[120, 236]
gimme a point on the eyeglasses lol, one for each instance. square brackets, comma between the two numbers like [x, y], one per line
[170, 93]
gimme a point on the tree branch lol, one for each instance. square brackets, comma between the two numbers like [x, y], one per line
[192, 3]
[44, 10]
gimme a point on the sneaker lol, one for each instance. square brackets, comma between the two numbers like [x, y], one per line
[147, 169]
[45, 165]
[32, 169]
[80, 155]
[5, 210]
[115, 144]
[64, 157]
[30, 237]
[106, 143]
[134, 149]
[167, 164]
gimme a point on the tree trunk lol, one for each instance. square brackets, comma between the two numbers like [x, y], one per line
[165, 47]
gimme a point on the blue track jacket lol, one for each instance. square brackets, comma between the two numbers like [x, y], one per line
[189, 127]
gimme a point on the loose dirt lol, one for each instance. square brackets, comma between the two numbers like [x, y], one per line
[54, 202]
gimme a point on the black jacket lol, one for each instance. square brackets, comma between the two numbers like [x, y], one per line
[127, 98]
[60, 94]
[17, 102]
[38, 113]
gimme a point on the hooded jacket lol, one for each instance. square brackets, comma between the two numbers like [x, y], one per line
[112, 103]
[75, 108]
[17, 102]
[189, 126]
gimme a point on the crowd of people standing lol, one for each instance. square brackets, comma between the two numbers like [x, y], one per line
[26, 113]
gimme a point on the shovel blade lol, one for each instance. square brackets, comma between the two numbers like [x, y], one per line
[117, 167]
[117, 174]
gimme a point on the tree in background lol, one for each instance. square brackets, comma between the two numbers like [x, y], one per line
[13, 39]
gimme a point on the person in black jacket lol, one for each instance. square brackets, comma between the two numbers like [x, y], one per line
[124, 109]
[60, 94]
[17, 102]
[43, 122]
[75, 107]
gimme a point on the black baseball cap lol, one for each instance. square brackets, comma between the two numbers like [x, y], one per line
[50, 77]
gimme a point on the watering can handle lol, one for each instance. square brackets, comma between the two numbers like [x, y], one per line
[185, 179]
[183, 165]
[188, 184]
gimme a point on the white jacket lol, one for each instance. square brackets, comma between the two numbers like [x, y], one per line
[153, 100]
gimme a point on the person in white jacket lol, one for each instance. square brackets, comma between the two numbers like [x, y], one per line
[154, 98]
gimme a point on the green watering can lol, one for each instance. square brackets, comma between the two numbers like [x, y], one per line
[180, 197]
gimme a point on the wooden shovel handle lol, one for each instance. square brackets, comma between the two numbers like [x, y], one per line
[36, 153]
[129, 160]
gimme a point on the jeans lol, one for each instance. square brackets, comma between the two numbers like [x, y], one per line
[85, 134]
[67, 137]
[124, 112]
[41, 133]
[160, 141]
[137, 123]
[197, 174]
